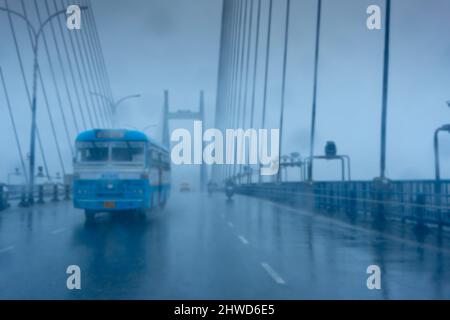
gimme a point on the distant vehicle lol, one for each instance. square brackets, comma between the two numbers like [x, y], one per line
[185, 187]
[229, 189]
[119, 170]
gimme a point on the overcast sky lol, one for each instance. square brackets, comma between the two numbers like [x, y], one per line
[152, 45]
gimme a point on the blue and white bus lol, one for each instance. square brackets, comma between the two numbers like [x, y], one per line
[119, 170]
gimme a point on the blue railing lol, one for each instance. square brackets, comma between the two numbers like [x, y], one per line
[42, 193]
[422, 201]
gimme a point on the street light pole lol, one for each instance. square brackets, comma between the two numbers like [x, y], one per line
[437, 170]
[385, 91]
[314, 102]
[115, 104]
[35, 47]
[283, 84]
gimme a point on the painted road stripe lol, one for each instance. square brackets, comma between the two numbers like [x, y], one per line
[275, 276]
[6, 249]
[243, 240]
[58, 230]
[231, 225]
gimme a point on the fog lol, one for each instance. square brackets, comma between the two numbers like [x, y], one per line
[153, 45]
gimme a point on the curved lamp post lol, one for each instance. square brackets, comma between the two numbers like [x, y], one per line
[115, 104]
[437, 168]
[445, 127]
[36, 33]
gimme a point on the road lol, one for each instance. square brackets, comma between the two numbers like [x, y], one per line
[205, 247]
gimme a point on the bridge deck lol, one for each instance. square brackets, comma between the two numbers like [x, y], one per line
[207, 247]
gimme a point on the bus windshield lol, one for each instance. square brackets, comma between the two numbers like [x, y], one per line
[127, 151]
[92, 152]
[113, 151]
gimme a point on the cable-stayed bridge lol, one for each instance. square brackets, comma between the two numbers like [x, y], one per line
[286, 235]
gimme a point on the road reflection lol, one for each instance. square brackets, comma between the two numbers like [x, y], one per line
[122, 254]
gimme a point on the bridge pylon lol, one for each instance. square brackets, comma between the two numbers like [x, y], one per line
[185, 115]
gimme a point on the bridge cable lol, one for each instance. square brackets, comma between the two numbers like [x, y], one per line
[232, 72]
[314, 102]
[247, 72]
[69, 63]
[52, 73]
[235, 65]
[100, 61]
[240, 69]
[233, 95]
[13, 123]
[105, 105]
[81, 52]
[220, 74]
[266, 72]
[61, 64]
[230, 49]
[241, 72]
[94, 81]
[101, 66]
[255, 65]
[228, 71]
[99, 48]
[80, 78]
[283, 84]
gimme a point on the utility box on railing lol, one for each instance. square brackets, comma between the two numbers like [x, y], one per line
[330, 149]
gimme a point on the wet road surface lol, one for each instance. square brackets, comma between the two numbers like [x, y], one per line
[205, 247]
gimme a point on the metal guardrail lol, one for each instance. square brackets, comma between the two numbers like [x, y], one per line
[422, 201]
[42, 193]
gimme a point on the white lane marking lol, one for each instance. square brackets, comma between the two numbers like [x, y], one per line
[6, 249]
[243, 240]
[58, 230]
[275, 276]
[361, 229]
[231, 224]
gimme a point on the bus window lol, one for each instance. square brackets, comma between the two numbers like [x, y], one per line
[123, 151]
[149, 156]
[92, 152]
[154, 156]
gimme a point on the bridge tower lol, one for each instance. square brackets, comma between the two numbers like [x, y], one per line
[185, 115]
